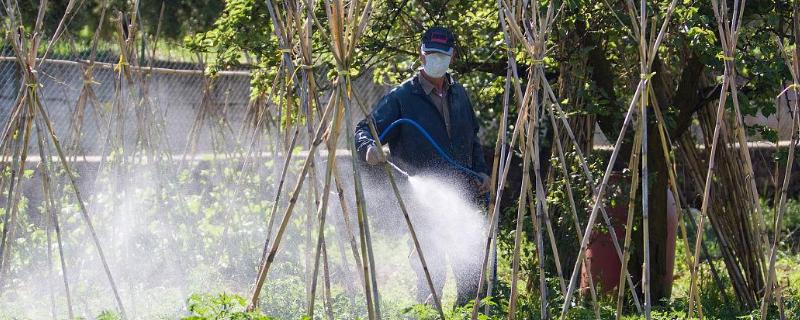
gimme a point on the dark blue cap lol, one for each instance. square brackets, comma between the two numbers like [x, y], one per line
[438, 39]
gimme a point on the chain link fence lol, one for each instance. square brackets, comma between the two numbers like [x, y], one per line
[173, 86]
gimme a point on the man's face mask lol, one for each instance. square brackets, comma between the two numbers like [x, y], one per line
[436, 64]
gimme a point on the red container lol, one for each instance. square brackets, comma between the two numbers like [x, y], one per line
[602, 259]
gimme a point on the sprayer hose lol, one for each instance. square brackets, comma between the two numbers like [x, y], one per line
[433, 143]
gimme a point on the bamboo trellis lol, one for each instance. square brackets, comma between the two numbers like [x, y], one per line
[525, 27]
[27, 113]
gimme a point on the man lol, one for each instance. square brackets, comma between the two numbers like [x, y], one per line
[442, 108]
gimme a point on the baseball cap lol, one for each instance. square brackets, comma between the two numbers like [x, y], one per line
[438, 39]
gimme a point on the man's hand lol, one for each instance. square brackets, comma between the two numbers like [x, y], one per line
[484, 183]
[374, 156]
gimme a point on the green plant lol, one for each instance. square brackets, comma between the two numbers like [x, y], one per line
[220, 307]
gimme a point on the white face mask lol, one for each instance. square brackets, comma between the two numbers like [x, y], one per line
[436, 64]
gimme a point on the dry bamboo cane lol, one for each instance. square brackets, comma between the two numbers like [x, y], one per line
[536, 49]
[738, 127]
[598, 201]
[87, 92]
[8, 221]
[373, 273]
[52, 219]
[278, 192]
[367, 262]
[326, 277]
[497, 162]
[542, 210]
[264, 269]
[760, 225]
[335, 15]
[532, 143]
[11, 125]
[540, 254]
[8, 239]
[284, 171]
[518, 33]
[322, 209]
[81, 205]
[633, 165]
[533, 50]
[495, 207]
[348, 224]
[795, 68]
[541, 197]
[706, 192]
[536, 221]
[49, 251]
[572, 205]
[327, 283]
[284, 41]
[496, 193]
[346, 281]
[595, 187]
[63, 262]
[648, 304]
[522, 207]
[726, 41]
[779, 218]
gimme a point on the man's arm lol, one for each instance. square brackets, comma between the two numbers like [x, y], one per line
[386, 111]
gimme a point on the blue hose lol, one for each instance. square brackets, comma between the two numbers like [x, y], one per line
[433, 143]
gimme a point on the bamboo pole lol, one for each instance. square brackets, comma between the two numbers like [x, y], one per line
[282, 32]
[49, 252]
[9, 219]
[52, 220]
[794, 67]
[598, 202]
[497, 163]
[266, 263]
[367, 261]
[81, 206]
[521, 208]
[594, 186]
[535, 46]
[781, 209]
[332, 136]
[327, 282]
[350, 238]
[498, 179]
[633, 166]
[647, 53]
[541, 198]
[36, 108]
[572, 205]
[342, 51]
[728, 36]
[518, 33]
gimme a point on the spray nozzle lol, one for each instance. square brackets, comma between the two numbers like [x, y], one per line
[397, 169]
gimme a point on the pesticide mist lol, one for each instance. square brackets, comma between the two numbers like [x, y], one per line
[170, 232]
